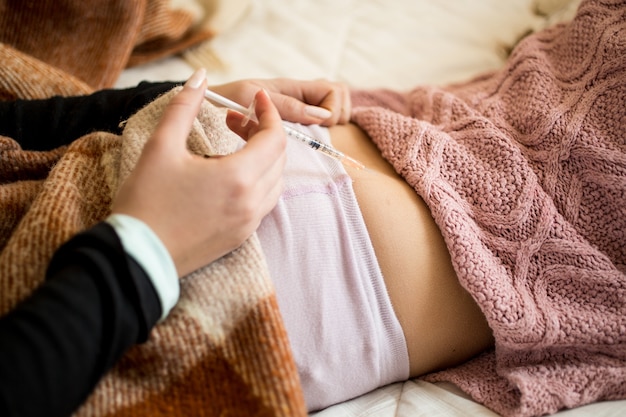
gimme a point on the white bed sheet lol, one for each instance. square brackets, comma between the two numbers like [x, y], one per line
[422, 399]
[375, 43]
[365, 43]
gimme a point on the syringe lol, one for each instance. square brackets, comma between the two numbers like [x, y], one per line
[291, 132]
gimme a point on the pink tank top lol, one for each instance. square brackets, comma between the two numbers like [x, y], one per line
[345, 337]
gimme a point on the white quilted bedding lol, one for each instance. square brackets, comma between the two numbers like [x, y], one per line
[372, 43]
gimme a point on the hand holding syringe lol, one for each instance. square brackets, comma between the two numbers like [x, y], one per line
[291, 132]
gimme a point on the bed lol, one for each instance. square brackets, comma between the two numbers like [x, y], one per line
[362, 43]
[373, 43]
[366, 44]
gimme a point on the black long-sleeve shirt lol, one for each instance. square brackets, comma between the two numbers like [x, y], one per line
[41, 125]
[96, 301]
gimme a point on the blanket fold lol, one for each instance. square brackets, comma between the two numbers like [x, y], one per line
[223, 349]
[524, 171]
[76, 46]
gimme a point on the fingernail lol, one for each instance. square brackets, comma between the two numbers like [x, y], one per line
[196, 78]
[318, 112]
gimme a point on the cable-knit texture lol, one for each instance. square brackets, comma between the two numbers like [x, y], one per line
[524, 171]
[223, 349]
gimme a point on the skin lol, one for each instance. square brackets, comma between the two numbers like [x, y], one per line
[442, 324]
[297, 101]
[178, 194]
[173, 192]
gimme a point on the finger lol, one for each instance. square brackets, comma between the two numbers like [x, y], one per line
[270, 124]
[240, 124]
[332, 100]
[307, 102]
[245, 128]
[266, 142]
[177, 119]
[271, 197]
[339, 100]
[269, 187]
[295, 110]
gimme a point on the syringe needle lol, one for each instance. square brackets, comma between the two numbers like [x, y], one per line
[351, 162]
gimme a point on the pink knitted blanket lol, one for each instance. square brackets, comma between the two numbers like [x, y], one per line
[524, 171]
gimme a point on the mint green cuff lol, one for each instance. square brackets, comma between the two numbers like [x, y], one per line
[146, 248]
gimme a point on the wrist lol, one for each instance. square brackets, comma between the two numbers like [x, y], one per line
[143, 245]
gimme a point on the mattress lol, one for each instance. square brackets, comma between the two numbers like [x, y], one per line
[368, 44]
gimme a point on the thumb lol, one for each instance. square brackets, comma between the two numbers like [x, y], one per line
[266, 111]
[175, 124]
[266, 114]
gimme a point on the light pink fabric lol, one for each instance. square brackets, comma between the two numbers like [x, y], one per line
[524, 171]
[345, 337]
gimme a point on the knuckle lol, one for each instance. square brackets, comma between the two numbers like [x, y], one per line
[240, 183]
[288, 106]
[240, 188]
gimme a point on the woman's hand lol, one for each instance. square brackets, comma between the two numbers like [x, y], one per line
[203, 208]
[307, 102]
